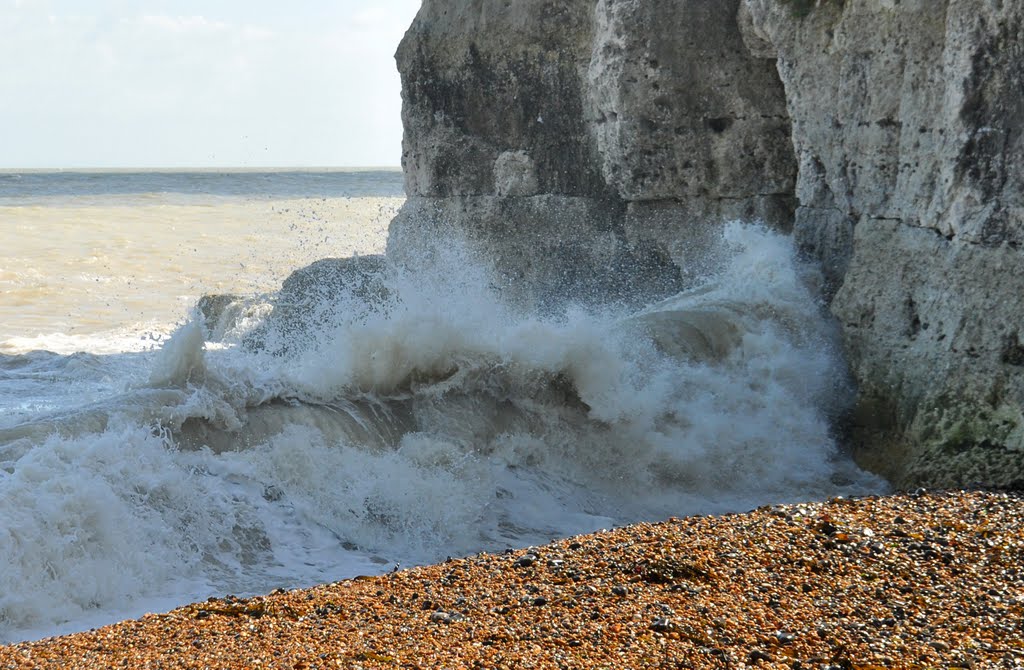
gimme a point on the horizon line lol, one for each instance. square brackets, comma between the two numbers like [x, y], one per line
[215, 168]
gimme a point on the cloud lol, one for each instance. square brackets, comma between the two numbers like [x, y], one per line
[227, 83]
[179, 24]
[372, 16]
[198, 25]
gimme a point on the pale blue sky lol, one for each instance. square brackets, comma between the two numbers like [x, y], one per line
[179, 83]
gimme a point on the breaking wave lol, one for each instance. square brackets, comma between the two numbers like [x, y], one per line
[400, 417]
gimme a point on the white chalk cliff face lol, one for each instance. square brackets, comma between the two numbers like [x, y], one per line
[908, 125]
[612, 138]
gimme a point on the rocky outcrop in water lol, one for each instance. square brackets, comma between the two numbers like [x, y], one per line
[320, 295]
[582, 145]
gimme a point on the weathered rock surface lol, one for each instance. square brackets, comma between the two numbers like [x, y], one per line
[908, 119]
[317, 295]
[682, 109]
[581, 144]
[571, 142]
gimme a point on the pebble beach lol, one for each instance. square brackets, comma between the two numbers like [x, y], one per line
[922, 580]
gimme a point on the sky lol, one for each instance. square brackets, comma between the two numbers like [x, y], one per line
[200, 83]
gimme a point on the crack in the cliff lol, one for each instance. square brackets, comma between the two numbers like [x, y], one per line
[783, 194]
[949, 237]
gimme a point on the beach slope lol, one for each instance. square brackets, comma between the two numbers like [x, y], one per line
[909, 580]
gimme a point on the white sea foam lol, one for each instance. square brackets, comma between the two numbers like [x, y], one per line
[438, 423]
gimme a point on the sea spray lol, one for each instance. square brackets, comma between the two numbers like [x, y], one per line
[441, 421]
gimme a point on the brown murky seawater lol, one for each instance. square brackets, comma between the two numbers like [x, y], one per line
[84, 266]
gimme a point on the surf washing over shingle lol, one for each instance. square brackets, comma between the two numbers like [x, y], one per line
[412, 415]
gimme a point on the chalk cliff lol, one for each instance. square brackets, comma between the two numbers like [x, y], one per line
[907, 125]
[585, 146]
[590, 147]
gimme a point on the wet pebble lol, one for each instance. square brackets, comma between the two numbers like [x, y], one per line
[784, 637]
[757, 655]
[526, 560]
[446, 617]
[663, 625]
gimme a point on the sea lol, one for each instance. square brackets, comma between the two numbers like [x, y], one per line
[180, 420]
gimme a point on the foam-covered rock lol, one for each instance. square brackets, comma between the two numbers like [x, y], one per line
[326, 292]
